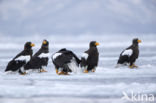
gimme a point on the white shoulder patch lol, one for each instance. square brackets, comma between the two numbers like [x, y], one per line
[44, 55]
[127, 52]
[56, 55]
[23, 58]
[85, 55]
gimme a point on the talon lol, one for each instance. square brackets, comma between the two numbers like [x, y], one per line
[133, 66]
[93, 70]
[85, 71]
[23, 73]
[42, 70]
[56, 71]
[63, 73]
[60, 73]
[66, 73]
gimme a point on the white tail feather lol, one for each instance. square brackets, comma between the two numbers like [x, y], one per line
[73, 66]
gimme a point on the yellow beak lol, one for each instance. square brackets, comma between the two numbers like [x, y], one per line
[44, 42]
[97, 44]
[139, 41]
[32, 44]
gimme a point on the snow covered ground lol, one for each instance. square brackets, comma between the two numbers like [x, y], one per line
[107, 84]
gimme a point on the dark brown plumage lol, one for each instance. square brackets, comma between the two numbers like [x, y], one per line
[18, 63]
[40, 58]
[89, 60]
[130, 54]
[65, 61]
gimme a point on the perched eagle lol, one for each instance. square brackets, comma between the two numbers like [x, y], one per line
[18, 63]
[65, 61]
[40, 58]
[130, 54]
[89, 59]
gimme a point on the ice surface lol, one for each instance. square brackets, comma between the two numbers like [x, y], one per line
[105, 85]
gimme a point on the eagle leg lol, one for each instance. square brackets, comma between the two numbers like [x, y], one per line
[93, 70]
[42, 70]
[56, 70]
[63, 73]
[133, 66]
[24, 73]
[85, 71]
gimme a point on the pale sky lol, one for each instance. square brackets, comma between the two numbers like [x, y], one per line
[51, 17]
